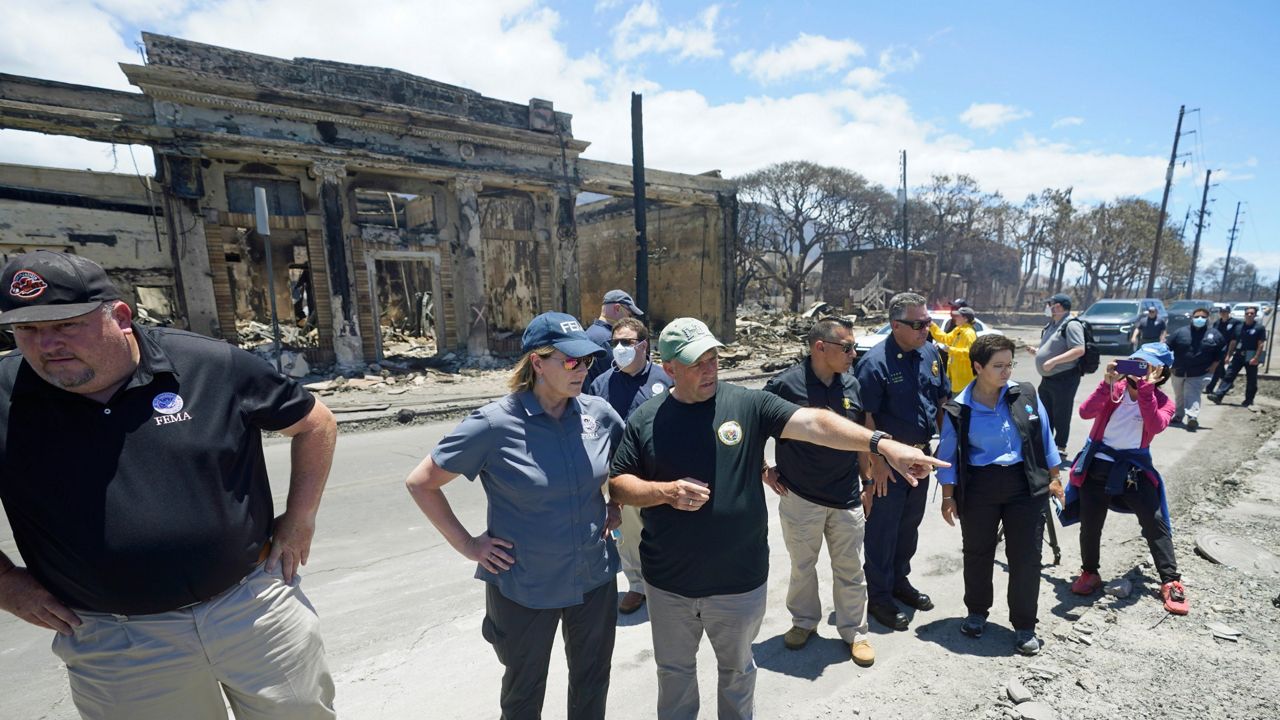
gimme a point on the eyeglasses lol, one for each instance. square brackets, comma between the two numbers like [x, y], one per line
[1002, 367]
[572, 363]
[916, 325]
[845, 348]
[625, 342]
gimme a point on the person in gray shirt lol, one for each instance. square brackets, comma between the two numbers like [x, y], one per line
[1058, 362]
[542, 454]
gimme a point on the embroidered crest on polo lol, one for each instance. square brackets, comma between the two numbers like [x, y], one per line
[27, 285]
[730, 432]
[590, 427]
[167, 403]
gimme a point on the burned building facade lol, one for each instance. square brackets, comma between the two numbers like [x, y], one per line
[395, 202]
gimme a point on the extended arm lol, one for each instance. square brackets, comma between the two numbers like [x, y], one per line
[311, 456]
[826, 428]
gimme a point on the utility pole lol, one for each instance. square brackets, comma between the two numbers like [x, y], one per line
[637, 190]
[1195, 247]
[1164, 204]
[1231, 243]
[906, 254]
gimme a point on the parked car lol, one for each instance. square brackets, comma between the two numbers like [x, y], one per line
[1264, 309]
[866, 342]
[1113, 320]
[1180, 312]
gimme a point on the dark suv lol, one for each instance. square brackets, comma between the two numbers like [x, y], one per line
[1113, 319]
[1180, 312]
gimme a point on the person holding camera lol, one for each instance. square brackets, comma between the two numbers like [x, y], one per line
[1115, 470]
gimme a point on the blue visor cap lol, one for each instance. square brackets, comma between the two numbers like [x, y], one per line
[561, 331]
[1156, 353]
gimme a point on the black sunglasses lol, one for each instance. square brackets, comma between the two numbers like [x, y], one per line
[916, 325]
[845, 348]
[625, 342]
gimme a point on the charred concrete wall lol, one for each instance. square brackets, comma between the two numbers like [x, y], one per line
[845, 272]
[690, 261]
[115, 220]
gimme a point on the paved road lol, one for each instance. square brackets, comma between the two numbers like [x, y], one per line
[401, 612]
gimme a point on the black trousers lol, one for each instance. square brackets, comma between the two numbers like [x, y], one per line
[1058, 393]
[1250, 375]
[996, 494]
[522, 638]
[1143, 498]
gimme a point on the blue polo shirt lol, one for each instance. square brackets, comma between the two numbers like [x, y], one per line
[993, 438]
[543, 479]
[903, 390]
[626, 392]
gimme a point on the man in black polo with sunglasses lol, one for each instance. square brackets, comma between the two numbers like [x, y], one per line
[903, 388]
[631, 381]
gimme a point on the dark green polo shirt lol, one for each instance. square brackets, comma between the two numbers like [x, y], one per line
[721, 548]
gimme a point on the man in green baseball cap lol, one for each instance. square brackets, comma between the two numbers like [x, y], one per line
[691, 460]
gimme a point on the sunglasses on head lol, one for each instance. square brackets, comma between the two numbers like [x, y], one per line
[625, 342]
[916, 325]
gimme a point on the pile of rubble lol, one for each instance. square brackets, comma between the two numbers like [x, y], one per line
[398, 344]
[254, 334]
[774, 339]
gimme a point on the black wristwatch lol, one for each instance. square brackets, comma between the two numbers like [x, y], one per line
[876, 437]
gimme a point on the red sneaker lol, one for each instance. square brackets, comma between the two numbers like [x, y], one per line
[1087, 584]
[1175, 598]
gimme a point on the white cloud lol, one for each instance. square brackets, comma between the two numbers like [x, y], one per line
[898, 58]
[806, 54]
[511, 49]
[642, 31]
[864, 78]
[1069, 121]
[989, 116]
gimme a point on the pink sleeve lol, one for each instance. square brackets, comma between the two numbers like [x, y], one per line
[1156, 408]
[1093, 405]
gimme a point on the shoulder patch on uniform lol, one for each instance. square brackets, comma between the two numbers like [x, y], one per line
[730, 432]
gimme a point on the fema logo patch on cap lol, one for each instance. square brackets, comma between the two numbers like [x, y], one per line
[167, 403]
[27, 285]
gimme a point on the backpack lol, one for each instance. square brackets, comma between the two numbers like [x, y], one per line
[1092, 357]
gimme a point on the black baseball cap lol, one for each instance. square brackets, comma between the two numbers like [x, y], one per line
[45, 285]
[959, 303]
[1061, 298]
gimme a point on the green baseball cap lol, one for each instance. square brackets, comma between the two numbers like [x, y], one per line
[686, 339]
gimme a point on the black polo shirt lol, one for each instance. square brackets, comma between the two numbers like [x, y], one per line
[721, 548]
[903, 390]
[158, 498]
[1250, 337]
[1195, 349]
[819, 474]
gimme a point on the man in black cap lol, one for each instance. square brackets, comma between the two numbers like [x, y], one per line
[132, 473]
[1058, 362]
[617, 305]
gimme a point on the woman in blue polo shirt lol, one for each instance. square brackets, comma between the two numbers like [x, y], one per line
[1003, 465]
[542, 455]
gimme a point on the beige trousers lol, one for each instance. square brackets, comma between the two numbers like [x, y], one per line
[629, 547]
[804, 526]
[258, 642]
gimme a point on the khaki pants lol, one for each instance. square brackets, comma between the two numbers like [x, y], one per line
[629, 547]
[804, 526]
[731, 623]
[258, 642]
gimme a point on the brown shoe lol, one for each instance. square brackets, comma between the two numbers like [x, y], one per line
[630, 602]
[863, 654]
[797, 637]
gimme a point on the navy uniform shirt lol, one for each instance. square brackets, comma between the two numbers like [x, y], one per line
[902, 390]
[1195, 349]
[1251, 337]
[1229, 329]
[625, 392]
[543, 478]
[157, 498]
[600, 333]
[822, 475]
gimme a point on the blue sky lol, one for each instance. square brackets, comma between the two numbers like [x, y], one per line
[1021, 95]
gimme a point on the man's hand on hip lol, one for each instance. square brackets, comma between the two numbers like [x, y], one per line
[26, 598]
[291, 544]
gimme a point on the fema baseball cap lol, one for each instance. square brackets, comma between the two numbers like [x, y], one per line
[1156, 353]
[622, 298]
[45, 285]
[561, 331]
[686, 339]
[1062, 298]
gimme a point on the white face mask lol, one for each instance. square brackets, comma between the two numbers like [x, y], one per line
[624, 355]
[1048, 311]
[1199, 322]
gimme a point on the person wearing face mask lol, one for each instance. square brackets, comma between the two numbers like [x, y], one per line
[631, 381]
[1115, 471]
[1197, 348]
